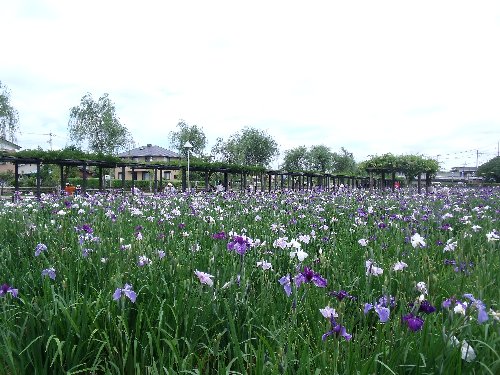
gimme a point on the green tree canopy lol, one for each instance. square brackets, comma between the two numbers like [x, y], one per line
[192, 133]
[320, 158]
[490, 171]
[343, 162]
[296, 159]
[9, 118]
[96, 123]
[249, 147]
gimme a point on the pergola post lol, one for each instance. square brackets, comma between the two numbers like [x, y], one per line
[123, 179]
[184, 179]
[61, 169]
[133, 181]
[207, 183]
[226, 181]
[84, 183]
[156, 179]
[38, 180]
[15, 196]
[419, 183]
[393, 181]
[100, 179]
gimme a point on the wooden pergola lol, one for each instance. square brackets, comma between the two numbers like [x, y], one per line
[274, 180]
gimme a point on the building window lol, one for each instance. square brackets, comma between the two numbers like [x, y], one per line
[166, 175]
[148, 158]
[120, 175]
[134, 176]
[146, 176]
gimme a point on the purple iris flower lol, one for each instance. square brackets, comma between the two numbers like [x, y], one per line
[426, 307]
[39, 248]
[6, 288]
[382, 311]
[415, 323]
[239, 244]
[87, 228]
[307, 276]
[50, 272]
[482, 315]
[285, 281]
[387, 301]
[337, 329]
[125, 291]
[341, 294]
[219, 235]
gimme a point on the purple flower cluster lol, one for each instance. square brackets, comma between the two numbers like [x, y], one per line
[239, 244]
[462, 307]
[219, 236]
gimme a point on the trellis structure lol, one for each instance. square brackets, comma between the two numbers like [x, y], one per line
[270, 180]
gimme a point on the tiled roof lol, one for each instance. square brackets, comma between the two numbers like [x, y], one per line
[149, 150]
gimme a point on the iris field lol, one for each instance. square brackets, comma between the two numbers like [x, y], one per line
[311, 282]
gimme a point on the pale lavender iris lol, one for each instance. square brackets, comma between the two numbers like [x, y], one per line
[286, 283]
[125, 291]
[50, 272]
[40, 248]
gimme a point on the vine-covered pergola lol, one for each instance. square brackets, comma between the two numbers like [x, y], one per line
[248, 177]
[410, 165]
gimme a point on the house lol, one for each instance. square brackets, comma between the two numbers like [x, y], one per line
[148, 154]
[10, 148]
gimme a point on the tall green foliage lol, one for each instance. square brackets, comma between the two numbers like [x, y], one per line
[296, 159]
[9, 118]
[249, 147]
[490, 170]
[184, 133]
[96, 123]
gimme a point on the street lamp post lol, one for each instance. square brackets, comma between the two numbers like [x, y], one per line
[188, 146]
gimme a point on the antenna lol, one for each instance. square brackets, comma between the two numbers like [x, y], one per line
[49, 134]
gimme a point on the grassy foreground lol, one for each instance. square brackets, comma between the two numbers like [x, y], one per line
[267, 283]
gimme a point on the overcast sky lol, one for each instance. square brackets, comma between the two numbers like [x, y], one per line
[371, 76]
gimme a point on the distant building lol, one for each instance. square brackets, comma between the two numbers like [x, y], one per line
[147, 154]
[6, 145]
[464, 173]
[10, 148]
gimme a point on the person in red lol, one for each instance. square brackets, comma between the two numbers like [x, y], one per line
[397, 184]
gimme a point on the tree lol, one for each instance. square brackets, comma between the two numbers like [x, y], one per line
[320, 158]
[490, 170]
[97, 124]
[9, 118]
[296, 159]
[343, 162]
[192, 133]
[250, 147]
